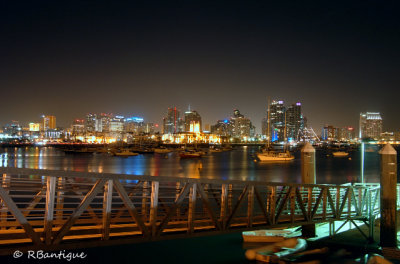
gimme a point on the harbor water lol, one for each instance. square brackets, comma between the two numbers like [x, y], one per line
[362, 164]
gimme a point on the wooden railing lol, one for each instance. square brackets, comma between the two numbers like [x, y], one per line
[56, 209]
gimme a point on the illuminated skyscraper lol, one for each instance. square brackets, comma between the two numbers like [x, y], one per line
[293, 121]
[192, 121]
[241, 126]
[172, 123]
[370, 125]
[49, 122]
[277, 120]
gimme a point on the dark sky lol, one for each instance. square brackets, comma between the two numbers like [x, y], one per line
[68, 58]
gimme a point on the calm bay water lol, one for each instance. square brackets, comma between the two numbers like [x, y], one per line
[237, 164]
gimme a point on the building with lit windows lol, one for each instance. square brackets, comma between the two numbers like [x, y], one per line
[370, 125]
[329, 133]
[293, 121]
[222, 128]
[172, 123]
[134, 125]
[192, 121]
[49, 122]
[34, 127]
[241, 126]
[277, 120]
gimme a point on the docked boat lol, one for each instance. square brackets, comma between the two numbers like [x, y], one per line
[272, 155]
[125, 153]
[162, 150]
[190, 154]
[340, 154]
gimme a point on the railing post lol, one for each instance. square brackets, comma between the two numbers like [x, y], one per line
[153, 207]
[49, 213]
[308, 177]
[192, 208]
[388, 232]
[107, 203]
[144, 199]
[224, 205]
[3, 217]
[250, 206]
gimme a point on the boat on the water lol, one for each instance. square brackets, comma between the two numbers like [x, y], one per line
[272, 155]
[340, 154]
[125, 153]
[162, 150]
[190, 154]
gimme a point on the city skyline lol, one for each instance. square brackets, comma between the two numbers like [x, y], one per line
[74, 58]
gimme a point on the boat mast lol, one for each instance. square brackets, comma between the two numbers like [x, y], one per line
[268, 126]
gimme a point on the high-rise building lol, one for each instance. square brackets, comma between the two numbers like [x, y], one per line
[49, 122]
[192, 121]
[293, 121]
[34, 127]
[172, 123]
[346, 133]
[241, 126]
[329, 133]
[78, 127]
[370, 125]
[277, 120]
[117, 124]
[222, 128]
[91, 122]
[134, 125]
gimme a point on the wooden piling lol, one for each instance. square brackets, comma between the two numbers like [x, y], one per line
[308, 176]
[388, 232]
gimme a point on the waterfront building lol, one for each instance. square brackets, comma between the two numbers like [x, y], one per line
[192, 121]
[117, 124]
[78, 127]
[90, 123]
[264, 126]
[241, 126]
[346, 134]
[34, 127]
[222, 128]
[388, 136]
[370, 125]
[329, 133]
[294, 121]
[134, 125]
[277, 120]
[172, 123]
[49, 122]
[12, 130]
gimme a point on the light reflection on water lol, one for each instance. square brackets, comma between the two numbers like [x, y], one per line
[234, 165]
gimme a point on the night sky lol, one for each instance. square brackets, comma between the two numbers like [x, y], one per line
[69, 58]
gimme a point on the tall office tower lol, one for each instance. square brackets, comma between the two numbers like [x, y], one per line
[135, 125]
[329, 133]
[241, 126]
[277, 120]
[293, 121]
[171, 122]
[103, 122]
[346, 133]
[49, 122]
[90, 122]
[117, 124]
[370, 125]
[192, 121]
[78, 127]
[222, 128]
[264, 126]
